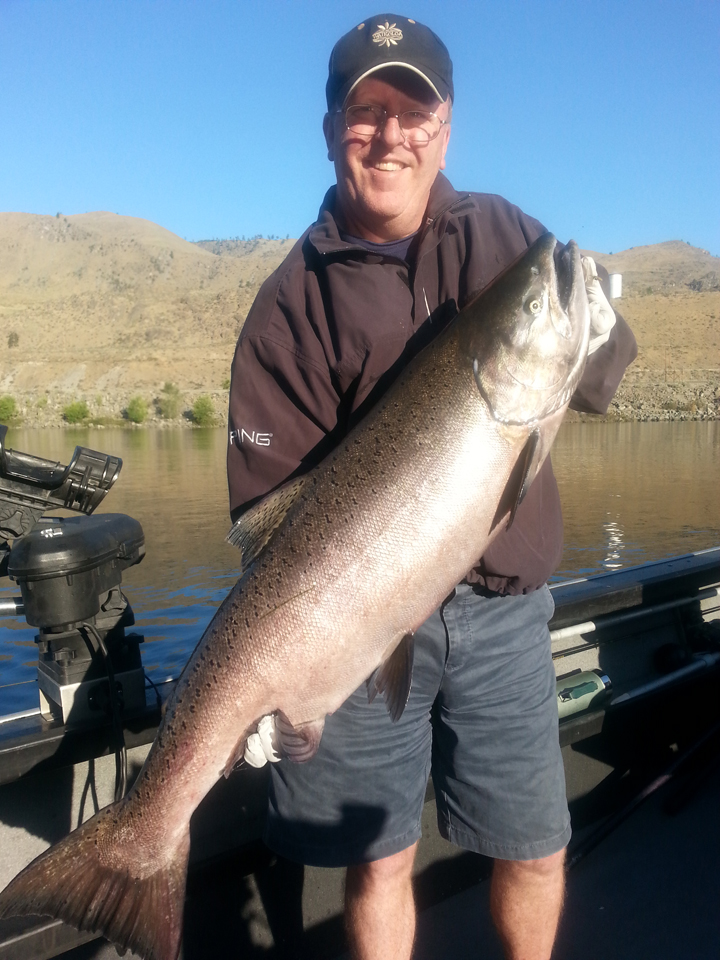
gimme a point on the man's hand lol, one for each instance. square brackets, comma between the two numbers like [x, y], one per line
[263, 745]
[602, 315]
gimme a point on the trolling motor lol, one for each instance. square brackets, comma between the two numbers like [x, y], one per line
[69, 572]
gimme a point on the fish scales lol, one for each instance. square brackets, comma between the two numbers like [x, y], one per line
[344, 564]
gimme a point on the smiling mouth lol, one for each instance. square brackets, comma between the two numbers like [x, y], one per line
[388, 165]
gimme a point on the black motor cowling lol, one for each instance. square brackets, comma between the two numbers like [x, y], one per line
[69, 572]
[64, 566]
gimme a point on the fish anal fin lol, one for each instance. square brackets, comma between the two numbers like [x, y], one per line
[236, 756]
[299, 743]
[393, 677]
[137, 910]
[254, 529]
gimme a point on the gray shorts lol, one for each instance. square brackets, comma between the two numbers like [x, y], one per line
[482, 714]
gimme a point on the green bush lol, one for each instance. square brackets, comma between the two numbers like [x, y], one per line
[76, 412]
[137, 410]
[170, 401]
[8, 409]
[41, 403]
[226, 383]
[13, 339]
[203, 412]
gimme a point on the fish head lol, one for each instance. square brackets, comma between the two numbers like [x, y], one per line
[527, 335]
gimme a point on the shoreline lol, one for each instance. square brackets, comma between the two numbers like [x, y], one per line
[638, 400]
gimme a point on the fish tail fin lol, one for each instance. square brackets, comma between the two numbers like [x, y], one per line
[91, 880]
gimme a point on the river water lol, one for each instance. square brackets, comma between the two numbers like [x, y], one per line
[631, 492]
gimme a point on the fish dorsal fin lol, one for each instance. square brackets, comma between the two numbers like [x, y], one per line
[393, 678]
[253, 530]
[528, 462]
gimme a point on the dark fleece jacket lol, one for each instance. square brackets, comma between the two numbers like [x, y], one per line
[335, 323]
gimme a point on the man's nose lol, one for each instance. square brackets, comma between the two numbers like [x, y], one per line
[391, 134]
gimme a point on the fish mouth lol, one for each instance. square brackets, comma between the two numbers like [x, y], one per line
[566, 277]
[541, 325]
[549, 324]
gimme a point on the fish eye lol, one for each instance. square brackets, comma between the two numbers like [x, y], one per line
[534, 306]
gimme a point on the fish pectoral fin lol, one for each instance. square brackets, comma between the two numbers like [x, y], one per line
[530, 459]
[253, 530]
[299, 743]
[521, 476]
[393, 677]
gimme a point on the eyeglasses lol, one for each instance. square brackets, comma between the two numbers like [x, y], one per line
[367, 120]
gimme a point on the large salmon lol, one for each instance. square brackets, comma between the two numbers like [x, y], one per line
[340, 567]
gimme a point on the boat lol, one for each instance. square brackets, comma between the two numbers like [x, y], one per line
[637, 655]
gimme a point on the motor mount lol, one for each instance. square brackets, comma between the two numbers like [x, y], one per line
[69, 571]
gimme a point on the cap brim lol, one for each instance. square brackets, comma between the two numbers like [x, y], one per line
[437, 86]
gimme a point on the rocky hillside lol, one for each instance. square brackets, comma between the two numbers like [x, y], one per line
[669, 267]
[103, 308]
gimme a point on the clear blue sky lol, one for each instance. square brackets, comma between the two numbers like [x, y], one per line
[602, 119]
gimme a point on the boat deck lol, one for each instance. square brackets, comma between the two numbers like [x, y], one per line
[649, 889]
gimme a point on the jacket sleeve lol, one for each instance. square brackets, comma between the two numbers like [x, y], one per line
[282, 408]
[605, 368]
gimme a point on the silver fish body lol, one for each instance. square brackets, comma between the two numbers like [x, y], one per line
[342, 566]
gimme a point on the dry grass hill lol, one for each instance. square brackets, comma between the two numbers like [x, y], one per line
[101, 308]
[671, 299]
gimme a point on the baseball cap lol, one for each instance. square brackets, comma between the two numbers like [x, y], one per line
[388, 40]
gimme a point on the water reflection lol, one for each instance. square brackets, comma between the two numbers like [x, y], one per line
[633, 492]
[630, 492]
[614, 545]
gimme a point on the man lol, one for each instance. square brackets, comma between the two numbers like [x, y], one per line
[395, 251]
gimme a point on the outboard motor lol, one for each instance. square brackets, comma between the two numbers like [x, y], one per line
[69, 572]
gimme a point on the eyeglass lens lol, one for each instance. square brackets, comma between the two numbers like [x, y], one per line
[418, 126]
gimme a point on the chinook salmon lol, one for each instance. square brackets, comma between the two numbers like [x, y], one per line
[339, 568]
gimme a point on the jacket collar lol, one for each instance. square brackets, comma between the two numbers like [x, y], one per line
[325, 236]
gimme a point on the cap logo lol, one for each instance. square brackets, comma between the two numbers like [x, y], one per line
[387, 35]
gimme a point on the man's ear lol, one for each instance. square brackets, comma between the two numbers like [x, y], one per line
[446, 136]
[329, 131]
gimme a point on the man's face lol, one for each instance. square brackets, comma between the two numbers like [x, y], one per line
[384, 183]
